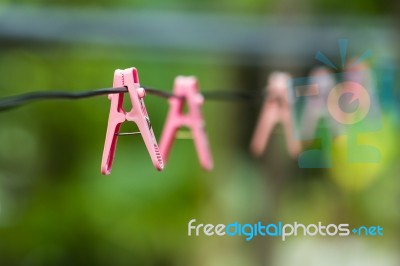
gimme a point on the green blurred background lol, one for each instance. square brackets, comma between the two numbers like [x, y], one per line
[57, 209]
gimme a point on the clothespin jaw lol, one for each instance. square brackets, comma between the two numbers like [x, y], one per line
[187, 92]
[138, 114]
[276, 88]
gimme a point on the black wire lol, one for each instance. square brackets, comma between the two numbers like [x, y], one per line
[160, 93]
[18, 100]
[214, 95]
[233, 96]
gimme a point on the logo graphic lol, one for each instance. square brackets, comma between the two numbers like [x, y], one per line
[335, 101]
[280, 230]
[358, 93]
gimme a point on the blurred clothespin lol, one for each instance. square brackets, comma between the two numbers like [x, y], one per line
[321, 83]
[276, 109]
[186, 92]
[138, 114]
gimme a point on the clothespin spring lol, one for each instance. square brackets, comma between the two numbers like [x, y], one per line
[127, 133]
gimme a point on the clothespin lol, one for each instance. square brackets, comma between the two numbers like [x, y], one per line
[187, 92]
[322, 81]
[138, 114]
[276, 109]
[320, 85]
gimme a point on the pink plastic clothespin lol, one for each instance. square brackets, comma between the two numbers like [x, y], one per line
[315, 108]
[138, 114]
[186, 90]
[276, 110]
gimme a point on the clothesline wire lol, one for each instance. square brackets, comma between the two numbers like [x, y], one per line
[25, 98]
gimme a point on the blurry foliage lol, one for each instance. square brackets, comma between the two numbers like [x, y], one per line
[367, 7]
[371, 7]
[56, 208]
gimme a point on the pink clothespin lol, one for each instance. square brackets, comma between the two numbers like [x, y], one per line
[138, 114]
[186, 90]
[315, 108]
[276, 110]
